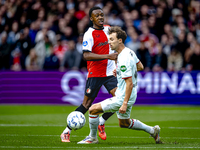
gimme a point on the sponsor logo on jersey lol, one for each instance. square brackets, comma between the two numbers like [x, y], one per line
[85, 43]
[102, 44]
[123, 68]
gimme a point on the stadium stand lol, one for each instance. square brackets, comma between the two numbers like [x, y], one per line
[168, 29]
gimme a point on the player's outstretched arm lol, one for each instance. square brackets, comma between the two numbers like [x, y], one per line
[140, 66]
[88, 56]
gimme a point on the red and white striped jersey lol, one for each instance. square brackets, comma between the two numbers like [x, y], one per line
[96, 41]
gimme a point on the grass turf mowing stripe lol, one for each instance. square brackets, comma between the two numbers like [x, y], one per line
[113, 147]
[124, 137]
[42, 125]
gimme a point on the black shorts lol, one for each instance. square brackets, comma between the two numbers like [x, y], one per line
[94, 84]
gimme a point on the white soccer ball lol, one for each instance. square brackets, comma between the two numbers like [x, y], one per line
[76, 120]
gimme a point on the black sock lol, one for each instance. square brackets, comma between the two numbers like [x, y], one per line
[69, 127]
[107, 115]
[82, 109]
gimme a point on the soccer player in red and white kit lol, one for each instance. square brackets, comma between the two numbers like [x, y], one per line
[100, 64]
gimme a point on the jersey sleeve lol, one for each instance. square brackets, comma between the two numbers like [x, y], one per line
[135, 57]
[87, 42]
[128, 65]
[125, 68]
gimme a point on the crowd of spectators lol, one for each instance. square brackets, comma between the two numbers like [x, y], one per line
[47, 34]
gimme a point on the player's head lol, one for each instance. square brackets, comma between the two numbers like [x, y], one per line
[120, 34]
[116, 37]
[97, 17]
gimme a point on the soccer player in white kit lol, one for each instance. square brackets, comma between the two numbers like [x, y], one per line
[127, 66]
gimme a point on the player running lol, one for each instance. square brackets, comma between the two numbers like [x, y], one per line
[100, 64]
[126, 93]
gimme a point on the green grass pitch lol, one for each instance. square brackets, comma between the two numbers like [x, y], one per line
[39, 127]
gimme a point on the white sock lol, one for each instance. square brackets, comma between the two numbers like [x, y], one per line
[67, 130]
[93, 123]
[137, 125]
[101, 121]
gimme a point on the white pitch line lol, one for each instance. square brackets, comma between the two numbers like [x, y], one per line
[183, 127]
[30, 125]
[124, 137]
[81, 146]
[53, 125]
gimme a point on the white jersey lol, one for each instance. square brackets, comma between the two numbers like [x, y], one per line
[126, 68]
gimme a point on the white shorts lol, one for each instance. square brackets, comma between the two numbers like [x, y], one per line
[113, 105]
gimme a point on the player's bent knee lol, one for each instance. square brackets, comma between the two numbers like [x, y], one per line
[94, 109]
[91, 110]
[123, 123]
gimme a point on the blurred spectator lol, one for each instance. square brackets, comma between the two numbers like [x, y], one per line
[72, 58]
[192, 22]
[79, 43]
[189, 52]
[90, 4]
[160, 21]
[61, 25]
[135, 18]
[43, 50]
[182, 44]
[150, 40]
[80, 14]
[165, 44]
[12, 35]
[24, 44]
[81, 26]
[16, 60]
[99, 3]
[83, 63]
[179, 28]
[52, 19]
[41, 14]
[160, 60]
[60, 48]
[134, 43]
[144, 56]
[144, 12]
[61, 9]
[70, 4]
[175, 61]
[190, 38]
[195, 58]
[34, 28]
[167, 29]
[68, 34]
[114, 19]
[70, 20]
[175, 13]
[51, 61]
[198, 32]
[45, 31]
[5, 50]
[32, 62]
[23, 21]
[152, 25]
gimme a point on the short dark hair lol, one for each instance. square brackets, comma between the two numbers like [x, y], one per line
[121, 34]
[93, 8]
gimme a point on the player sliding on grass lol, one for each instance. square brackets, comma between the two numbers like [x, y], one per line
[126, 93]
[100, 64]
